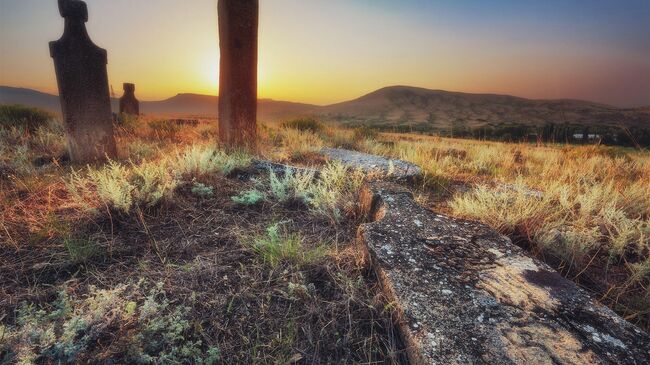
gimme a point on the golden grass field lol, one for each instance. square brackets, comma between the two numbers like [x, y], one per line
[583, 209]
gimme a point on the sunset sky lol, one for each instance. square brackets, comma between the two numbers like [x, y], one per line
[325, 51]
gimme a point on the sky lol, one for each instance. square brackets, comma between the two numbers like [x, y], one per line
[327, 51]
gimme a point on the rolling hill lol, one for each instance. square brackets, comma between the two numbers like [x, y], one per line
[404, 105]
[393, 106]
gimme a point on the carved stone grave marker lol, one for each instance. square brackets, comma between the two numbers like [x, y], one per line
[128, 102]
[83, 87]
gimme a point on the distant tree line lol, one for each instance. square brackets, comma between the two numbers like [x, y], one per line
[558, 133]
[548, 133]
[551, 132]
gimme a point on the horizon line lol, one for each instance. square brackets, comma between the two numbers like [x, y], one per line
[358, 97]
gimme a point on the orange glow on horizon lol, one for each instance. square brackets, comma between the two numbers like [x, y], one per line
[324, 52]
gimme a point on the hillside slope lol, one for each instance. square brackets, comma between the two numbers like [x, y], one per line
[403, 105]
[395, 106]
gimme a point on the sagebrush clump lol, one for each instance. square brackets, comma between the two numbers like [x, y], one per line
[122, 186]
[158, 331]
[304, 124]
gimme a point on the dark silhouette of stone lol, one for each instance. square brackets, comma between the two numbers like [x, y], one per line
[83, 87]
[128, 103]
[238, 23]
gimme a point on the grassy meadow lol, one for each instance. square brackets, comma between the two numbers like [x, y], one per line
[181, 242]
[583, 209]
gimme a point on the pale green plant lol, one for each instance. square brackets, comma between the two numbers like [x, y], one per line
[142, 150]
[202, 190]
[299, 143]
[152, 181]
[325, 195]
[249, 197]
[277, 246]
[50, 137]
[280, 185]
[109, 185]
[159, 331]
[201, 160]
[372, 146]
[337, 186]
[290, 184]
[121, 186]
[21, 161]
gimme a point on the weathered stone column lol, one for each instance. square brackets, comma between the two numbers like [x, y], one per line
[83, 87]
[128, 102]
[238, 23]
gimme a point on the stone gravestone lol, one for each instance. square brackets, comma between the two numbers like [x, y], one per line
[83, 87]
[238, 24]
[128, 102]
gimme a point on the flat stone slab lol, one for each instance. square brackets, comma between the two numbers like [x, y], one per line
[465, 294]
[372, 164]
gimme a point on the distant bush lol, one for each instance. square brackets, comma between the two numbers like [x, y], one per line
[362, 133]
[127, 121]
[299, 143]
[23, 117]
[199, 160]
[164, 128]
[304, 124]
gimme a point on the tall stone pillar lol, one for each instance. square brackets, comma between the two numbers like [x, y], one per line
[128, 102]
[83, 87]
[238, 24]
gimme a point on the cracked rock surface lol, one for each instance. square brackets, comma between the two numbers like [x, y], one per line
[465, 294]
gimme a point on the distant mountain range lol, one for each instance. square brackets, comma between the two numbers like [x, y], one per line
[179, 105]
[389, 107]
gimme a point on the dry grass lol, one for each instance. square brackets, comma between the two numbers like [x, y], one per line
[584, 209]
[265, 270]
[150, 256]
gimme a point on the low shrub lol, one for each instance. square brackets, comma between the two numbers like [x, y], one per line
[122, 187]
[363, 133]
[249, 197]
[156, 330]
[79, 249]
[278, 246]
[164, 128]
[328, 195]
[202, 190]
[50, 138]
[299, 143]
[304, 124]
[200, 160]
[24, 117]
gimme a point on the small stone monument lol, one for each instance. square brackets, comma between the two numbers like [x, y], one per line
[83, 87]
[128, 103]
[238, 24]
